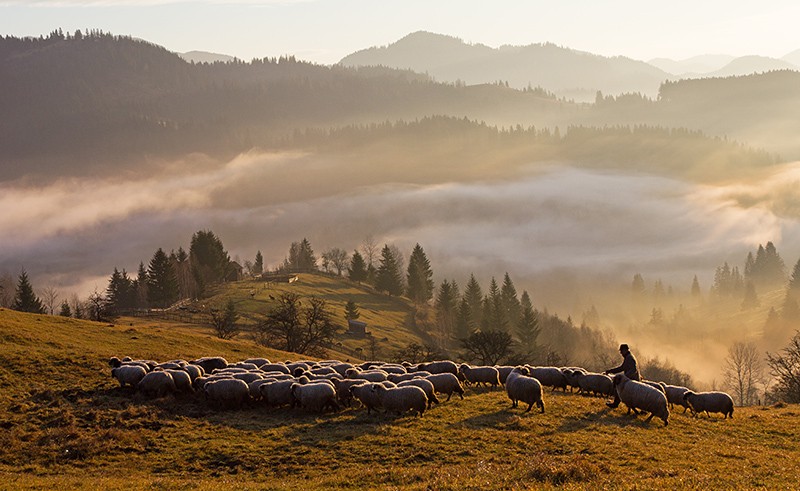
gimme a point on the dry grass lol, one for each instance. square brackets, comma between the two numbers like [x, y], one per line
[65, 424]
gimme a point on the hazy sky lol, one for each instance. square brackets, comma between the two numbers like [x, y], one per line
[324, 31]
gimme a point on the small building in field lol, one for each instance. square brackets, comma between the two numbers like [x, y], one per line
[357, 328]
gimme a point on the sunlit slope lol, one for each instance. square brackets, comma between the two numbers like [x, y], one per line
[65, 424]
[389, 319]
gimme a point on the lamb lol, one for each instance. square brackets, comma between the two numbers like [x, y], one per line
[709, 402]
[425, 385]
[128, 374]
[549, 376]
[638, 395]
[594, 383]
[157, 384]
[675, 396]
[446, 383]
[444, 366]
[522, 387]
[401, 399]
[315, 397]
[278, 393]
[210, 363]
[480, 375]
[228, 393]
[366, 396]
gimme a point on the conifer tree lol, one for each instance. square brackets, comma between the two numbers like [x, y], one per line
[388, 277]
[511, 304]
[65, 310]
[301, 258]
[351, 311]
[419, 277]
[358, 267]
[25, 300]
[162, 285]
[528, 328]
[258, 264]
[750, 297]
[446, 305]
[464, 324]
[473, 295]
[141, 287]
[209, 260]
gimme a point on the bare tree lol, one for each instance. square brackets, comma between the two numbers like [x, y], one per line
[289, 326]
[335, 258]
[785, 367]
[49, 296]
[369, 249]
[743, 373]
[7, 286]
[488, 348]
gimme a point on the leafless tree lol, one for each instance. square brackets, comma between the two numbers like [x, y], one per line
[6, 290]
[369, 249]
[785, 367]
[743, 373]
[335, 258]
[49, 296]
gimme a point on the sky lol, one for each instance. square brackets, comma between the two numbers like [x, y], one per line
[324, 31]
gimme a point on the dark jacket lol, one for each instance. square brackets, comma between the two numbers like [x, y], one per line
[629, 367]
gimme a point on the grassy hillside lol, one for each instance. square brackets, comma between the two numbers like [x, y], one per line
[67, 425]
[389, 319]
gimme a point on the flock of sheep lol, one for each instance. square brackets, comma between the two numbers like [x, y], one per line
[396, 388]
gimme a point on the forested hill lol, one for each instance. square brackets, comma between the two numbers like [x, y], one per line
[98, 96]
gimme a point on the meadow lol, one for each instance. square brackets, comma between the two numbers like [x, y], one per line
[66, 424]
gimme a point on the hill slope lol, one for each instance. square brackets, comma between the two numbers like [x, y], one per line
[66, 424]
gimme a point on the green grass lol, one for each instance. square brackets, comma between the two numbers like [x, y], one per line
[65, 424]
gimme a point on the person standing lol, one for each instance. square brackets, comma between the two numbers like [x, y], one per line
[629, 367]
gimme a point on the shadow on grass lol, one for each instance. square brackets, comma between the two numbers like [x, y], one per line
[605, 417]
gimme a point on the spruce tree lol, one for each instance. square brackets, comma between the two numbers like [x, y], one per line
[464, 324]
[528, 325]
[258, 264]
[351, 311]
[162, 285]
[750, 297]
[388, 277]
[358, 268]
[25, 300]
[474, 298]
[511, 304]
[65, 310]
[446, 306]
[208, 258]
[419, 277]
[140, 285]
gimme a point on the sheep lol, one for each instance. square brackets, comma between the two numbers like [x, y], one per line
[275, 367]
[446, 383]
[571, 374]
[444, 366]
[371, 375]
[425, 385]
[343, 390]
[228, 393]
[549, 376]
[366, 396]
[709, 402]
[157, 384]
[183, 382]
[392, 368]
[200, 382]
[194, 371]
[397, 378]
[341, 368]
[480, 375]
[257, 361]
[243, 365]
[324, 371]
[128, 374]
[210, 363]
[292, 366]
[278, 393]
[315, 397]
[248, 377]
[520, 386]
[659, 386]
[503, 371]
[255, 387]
[675, 396]
[401, 399]
[638, 395]
[594, 383]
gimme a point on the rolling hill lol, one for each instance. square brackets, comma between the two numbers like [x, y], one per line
[66, 424]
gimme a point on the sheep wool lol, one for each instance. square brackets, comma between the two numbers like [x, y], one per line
[638, 395]
[521, 387]
[709, 402]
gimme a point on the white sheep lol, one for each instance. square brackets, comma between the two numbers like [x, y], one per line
[571, 375]
[401, 399]
[128, 374]
[369, 375]
[709, 402]
[157, 384]
[446, 383]
[504, 371]
[425, 385]
[278, 393]
[248, 377]
[228, 393]
[522, 387]
[315, 396]
[443, 366]
[675, 396]
[257, 361]
[480, 375]
[275, 367]
[549, 376]
[397, 378]
[366, 396]
[638, 395]
[194, 371]
[210, 363]
[183, 382]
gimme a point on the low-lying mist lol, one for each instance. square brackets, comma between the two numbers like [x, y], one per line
[572, 238]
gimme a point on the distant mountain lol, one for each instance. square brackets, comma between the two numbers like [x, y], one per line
[693, 65]
[747, 65]
[205, 57]
[793, 58]
[563, 71]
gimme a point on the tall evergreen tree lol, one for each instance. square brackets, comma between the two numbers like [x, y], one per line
[351, 311]
[446, 305]
[120, 293]
[358, 267]
[464, 323]
[511, 304]
[25, 300]
[258, 264]
[301, 258]
[419, 277]
[750, 297]
[141, 287]
[208, 258]
[162, 285]
[794, 278]
[497, 319]
[637, 287]
[65, 310]
[473, 295]
[695, 290]
[528, 325]
[388, 277]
